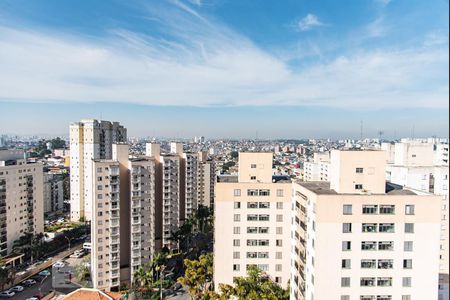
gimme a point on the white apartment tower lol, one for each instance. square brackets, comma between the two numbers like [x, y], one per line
[358, 238]
[252, 221]
[21, 198]
[53, 192]
[89, 139]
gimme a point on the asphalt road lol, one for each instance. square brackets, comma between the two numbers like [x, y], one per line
[44, 287]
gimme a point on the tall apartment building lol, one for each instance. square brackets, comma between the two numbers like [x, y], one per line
[252, 221]
[206, 183]
[21, 198]
[423, 166]
[89, 139]
[53, 192]
[124, 225]
[357, 237]
[318, 168]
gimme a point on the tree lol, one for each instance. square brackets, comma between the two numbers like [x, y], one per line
[4, 278]
[256, 286]
[198, 276]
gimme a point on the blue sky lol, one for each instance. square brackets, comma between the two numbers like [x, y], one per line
[224, 68]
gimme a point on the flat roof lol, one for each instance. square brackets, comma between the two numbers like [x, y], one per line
[323, 188]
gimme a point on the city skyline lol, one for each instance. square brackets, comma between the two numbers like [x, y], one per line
[224, 65]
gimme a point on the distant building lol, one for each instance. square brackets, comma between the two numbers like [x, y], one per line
[53, 192]
[21, 198]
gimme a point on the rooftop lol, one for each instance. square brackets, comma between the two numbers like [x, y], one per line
[323, 188]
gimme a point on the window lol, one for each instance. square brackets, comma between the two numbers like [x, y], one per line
[236, 243]
[263, 268]
[279, 230]
[346, 246]
[264, 217]
[252, 177]
[406, 297]
[279, 193]
[252, 229]
[263, 229]
[386, 227]
[278, 267]
[387, 209]
[263, 242]
[264, 204]
[385, 264]
[367, 281]
[237, 192]
[368, 264]
[252, 217]
[358, 186]
[388, 297]
[237, 205]
[370, 209]
[359, 170]
[237, 217]
[369, 227]
[409, 209]
[347, 209]
[236, 255]
[252, 254]
[252, 204]
[347, 227]
[367, 298]
[406, 281]
[384, 281]
[408, 246]
[279, 205]
[237, 230]
[409, 227]
[263, 254]
[252, 192]
[345, 297]
[345, 281]
[264, 192]
[407, 264]
[253, 166]
[279, 243]
[252, 242]
[368, 245]
[279, 218]
[236, 267]
[279, 255]
[346, 264]
[386, 246]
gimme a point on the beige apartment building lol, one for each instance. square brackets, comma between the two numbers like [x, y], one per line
[21, 198]
[252, 221]
[358, 238]
[89, 139]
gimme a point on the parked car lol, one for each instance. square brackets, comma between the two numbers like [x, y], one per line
[20, 273]
[44, 273]
[32, 298]
[29, 282]
[7, 294]
[17, 288]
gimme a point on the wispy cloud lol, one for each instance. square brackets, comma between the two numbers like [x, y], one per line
[199, 63]
[308, 22]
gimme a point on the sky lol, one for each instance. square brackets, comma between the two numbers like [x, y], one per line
[227, 68]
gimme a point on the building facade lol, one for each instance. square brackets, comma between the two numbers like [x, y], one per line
[53, 192]
[89, 139]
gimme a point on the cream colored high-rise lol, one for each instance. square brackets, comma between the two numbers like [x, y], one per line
[89, 139]
[252, 222]
[356, 238]
[21, 198]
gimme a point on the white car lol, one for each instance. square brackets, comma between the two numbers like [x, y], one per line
[7, 294]
[59, 264]
[32, 298]
[17, 288]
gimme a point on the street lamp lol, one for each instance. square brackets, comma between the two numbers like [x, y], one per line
[68, 240]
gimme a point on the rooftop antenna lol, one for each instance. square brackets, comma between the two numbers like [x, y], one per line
[361, 129]
[380, 134]
[413, 133]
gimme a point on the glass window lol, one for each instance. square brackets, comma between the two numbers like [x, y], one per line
[368, 245]
[279, 193]
[236, 243]
[385, 264]
[264, 204]
[264, 192]
[369, 227]
[407, 264]
[253, 166]
[252, 204]
[252, 242]
[386, 227]
[408, 246]
[264, 217]
[252, 229]
[346, 264]
[236, 267]
[367, 281]
[406, 281]
[237, 217]
[384, 281]
[279, 218]
[263, 229]
[368, 264]
[263, 254]
[409, 227]
[236, 230]
[387, 209]
[409, 209]
[358, 186]
[370, 209]
[279, 230]
[345, 281]
[347, 227]
[252, 254]
[237, 205]
[237, 192]
[346, 245]
[252, 217]
[386, 246]
[252, 192]
[347, 209]
[263, 242]
[279, 205]
[406, 297]
[236, 255]
[279, 243]
[359, 170]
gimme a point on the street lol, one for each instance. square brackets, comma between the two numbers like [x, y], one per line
[44, 287]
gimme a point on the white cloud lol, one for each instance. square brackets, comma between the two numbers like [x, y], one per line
[207, 64]
[309, 22]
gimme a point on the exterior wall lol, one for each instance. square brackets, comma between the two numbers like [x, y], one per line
[316, 171]
[344, 177]
[192, 172]
[21, 200]
[53, 193]
[414, 154]
[324, 227]
[89, 139]
[225, 257]
[255, 165]
[206, 184]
